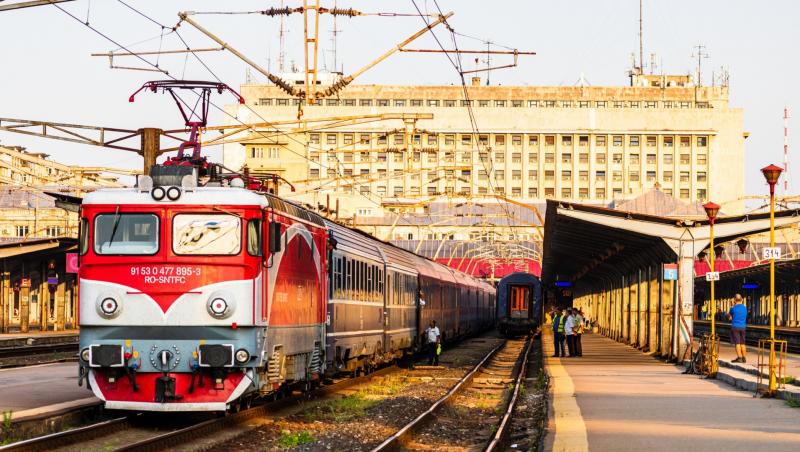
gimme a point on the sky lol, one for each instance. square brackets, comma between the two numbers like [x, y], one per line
[47, 73]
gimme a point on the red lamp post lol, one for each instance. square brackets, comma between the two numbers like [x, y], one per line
[772, 173]
[712, 209]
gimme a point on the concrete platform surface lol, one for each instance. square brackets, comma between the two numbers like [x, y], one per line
[616, 398]
[33, 390]
[727, 353]
[38, 337]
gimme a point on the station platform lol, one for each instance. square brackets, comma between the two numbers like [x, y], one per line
[616, 398]
[38, 337]
[42, 390]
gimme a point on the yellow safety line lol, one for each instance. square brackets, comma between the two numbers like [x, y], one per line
[570, 434]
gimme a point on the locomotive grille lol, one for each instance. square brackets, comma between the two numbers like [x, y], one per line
[216, 355]
[106, 355]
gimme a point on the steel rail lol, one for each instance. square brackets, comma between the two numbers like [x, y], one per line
[39, 349]
[502, 428]
[69, 437]
[392, 441]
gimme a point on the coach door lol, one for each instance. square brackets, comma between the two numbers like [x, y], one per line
[519, 301]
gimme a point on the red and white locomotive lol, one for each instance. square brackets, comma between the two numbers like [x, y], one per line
[201, 298]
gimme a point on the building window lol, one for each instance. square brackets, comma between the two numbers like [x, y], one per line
[314, 156]
[499, 140]
[282, 102]
[668, 141]
[701, 176]
[399, 139]
[449, 140]
[583, 193]
[416, 102]
[566, 193]
[382, 102]
[348, 138]
[702, 142]
[633, 140]
[668, 191]
[601, 104]
[566, 103]
[684, 193]
[616, 158]
[650, 104]
[566, 175]
[566, 158]
[566, 140]
[684, 176]
[533, 174]
[499, 103]
[21, 231]
[264, 101]
[583, 158]
[449, 103]
[617, 176]
[364, 138]
[273, 152]
[348, 157]
[600, 158]
[516, 103]
[583, 140]
[651, 140]
[617, 140]
[330, 138]
[499, 174]
[549, 192]
[549, 175]
[583, 176]
[668, 159]
[669, 104]
[533, 103]
[686, 142]
[549, 157]
[635, 104]
[617, 192]
[466, 157]
[349, 103]
[633, 159]
[431, 190]
[533, 157]
[483, 140]
[533, 192]
[482, 190]
[701, 193]
[467, 103]
[256, 152]
[483, 103]
[549, 140]
[433, 103]
[600, 176]
[53, 231]
[499, 157]
[651, 159]
[633, 176]
[702, 159]
[686, 159]
[466, 140]
[363, 157]
[600, 193]
[399, 102]
[314, 173]
[550, 103]
[516, 175]
[516, 157]
[667, 176]
[516, 140]
[382, 139]
[583, 104]
[600, 140]
[433, 140]
[651, 176]
[365, 103]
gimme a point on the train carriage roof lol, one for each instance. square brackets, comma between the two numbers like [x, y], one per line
[354, 242]
[519, 278]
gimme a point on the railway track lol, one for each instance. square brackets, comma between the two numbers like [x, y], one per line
[136, 433]
[28, 350]
[495, 382]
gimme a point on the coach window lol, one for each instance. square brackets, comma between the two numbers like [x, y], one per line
[126, 234]
[254, 237]
[206, 234]
[84, 235]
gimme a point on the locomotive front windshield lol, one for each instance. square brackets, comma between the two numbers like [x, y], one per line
[206, 234]
[126, 234]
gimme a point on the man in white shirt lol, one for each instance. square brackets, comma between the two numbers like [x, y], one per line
[569, 331]
[432, 337]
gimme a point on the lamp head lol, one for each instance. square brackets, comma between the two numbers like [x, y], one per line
[772, 173]
[711, 210]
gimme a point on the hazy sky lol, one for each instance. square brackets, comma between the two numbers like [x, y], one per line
[47, 73]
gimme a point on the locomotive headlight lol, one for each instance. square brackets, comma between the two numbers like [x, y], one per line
[221, 305]
[173, 193]
[158, 193]
[85, 355]
[108, 306]
[242, 356]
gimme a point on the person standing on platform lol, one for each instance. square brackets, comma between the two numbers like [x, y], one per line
[569, 331]
[558, 334]
[738, 317]
[579, 325]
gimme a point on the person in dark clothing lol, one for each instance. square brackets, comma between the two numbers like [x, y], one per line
[558, 334]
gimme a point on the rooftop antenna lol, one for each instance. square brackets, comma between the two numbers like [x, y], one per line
[700, 54]
[641, 40]
[786, 151]
[281, 51]
[334, 35]
[653, 64]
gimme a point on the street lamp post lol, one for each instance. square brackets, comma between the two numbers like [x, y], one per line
[711, 345]
[772, 173]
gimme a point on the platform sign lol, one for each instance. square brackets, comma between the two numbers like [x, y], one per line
[72, 262]
[771, 253]
[712, 276]
[670, 272]
[24, 282]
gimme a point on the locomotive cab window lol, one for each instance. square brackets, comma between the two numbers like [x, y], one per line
[84, 235]
[254, 237]
[206, 234]
[126, 234]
